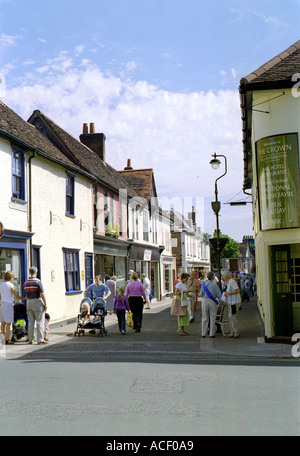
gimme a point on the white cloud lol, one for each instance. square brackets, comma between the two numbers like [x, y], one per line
[173, 133]
[234, 73]
[29, 62]
[79, 49]
[7, 40]
[131, 66]
[244, 13]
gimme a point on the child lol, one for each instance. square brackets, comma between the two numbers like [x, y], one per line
[120, 307]
[47, 319]
[85, 314]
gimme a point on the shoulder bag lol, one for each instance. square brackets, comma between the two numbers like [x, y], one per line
[177, 310]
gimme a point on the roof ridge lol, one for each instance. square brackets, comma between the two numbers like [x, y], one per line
[271, 63]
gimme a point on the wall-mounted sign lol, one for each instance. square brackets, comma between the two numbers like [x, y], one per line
[277, 161]
[1, 229]
[147, 255]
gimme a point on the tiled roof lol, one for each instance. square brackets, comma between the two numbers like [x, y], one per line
[277, 71]
[18, 130]
[141, 180]
[80, 154]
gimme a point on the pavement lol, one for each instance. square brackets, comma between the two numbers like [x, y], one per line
[158, 341]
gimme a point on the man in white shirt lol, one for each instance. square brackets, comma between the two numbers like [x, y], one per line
[146, 285]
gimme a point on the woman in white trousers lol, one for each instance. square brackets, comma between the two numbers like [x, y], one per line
[233, 299]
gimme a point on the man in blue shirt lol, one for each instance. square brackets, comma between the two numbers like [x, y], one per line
[97, 290]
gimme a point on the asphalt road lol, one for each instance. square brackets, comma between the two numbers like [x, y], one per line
[153, 383]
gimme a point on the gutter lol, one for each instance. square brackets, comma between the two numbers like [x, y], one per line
[30, 204]
[74, 168]
[246, 108]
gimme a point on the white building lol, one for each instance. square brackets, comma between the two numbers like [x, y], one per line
[271, 127]
[46, 212]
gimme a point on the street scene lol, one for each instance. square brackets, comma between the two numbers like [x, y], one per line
[149, 221]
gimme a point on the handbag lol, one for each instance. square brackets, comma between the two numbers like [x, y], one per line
[177, 310]
[129, 320]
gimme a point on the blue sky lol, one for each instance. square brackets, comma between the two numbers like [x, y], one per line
[159, 77]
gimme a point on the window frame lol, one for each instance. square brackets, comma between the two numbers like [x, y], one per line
[70, 196]
[73, 273]
[18, 195]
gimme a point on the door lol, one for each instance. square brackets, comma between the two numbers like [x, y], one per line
[282, 297]
[88, 269]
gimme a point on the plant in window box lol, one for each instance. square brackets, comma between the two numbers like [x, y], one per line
[112, 232]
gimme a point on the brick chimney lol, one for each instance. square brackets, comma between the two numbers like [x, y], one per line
[94, 141]
[128, 165]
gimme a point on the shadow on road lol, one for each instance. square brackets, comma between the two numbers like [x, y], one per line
[158, 342]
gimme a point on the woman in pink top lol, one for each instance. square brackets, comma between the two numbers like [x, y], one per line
[136, 294]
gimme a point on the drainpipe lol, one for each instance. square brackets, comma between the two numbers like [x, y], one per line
[30, 204]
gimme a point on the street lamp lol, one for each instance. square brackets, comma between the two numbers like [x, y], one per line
[216, 207]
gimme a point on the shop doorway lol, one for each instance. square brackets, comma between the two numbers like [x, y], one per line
[282, 296]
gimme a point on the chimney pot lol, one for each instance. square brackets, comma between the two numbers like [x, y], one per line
[85, 129]
[92, 128]
[128, 164]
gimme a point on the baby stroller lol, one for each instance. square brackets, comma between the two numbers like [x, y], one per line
[19, 327]
[91, 317]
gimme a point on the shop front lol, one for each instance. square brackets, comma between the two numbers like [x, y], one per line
[168, 275]
[13, 257]
[145, 259]
[111, 259]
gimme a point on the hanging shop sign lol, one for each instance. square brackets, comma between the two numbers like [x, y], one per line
[277, 162]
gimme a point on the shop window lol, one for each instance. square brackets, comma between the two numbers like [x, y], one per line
[10, 260]
[18, 173]
[295, 279]
[70, 195]
[71, 268]
[167, 278]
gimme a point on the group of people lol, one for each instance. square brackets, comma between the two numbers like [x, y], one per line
[35, 303]
[130, 298]
[213, 296]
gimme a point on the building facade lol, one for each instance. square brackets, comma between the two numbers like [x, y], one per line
[271, 127]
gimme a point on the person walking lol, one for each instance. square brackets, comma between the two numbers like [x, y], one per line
[7, 294]
[181, 290]
[146, 285]
[97, 289]
[233, 299]
[192, 286]
[111, 283]
[210, 292]
[120, 307]
[136, 294]
[36, 306]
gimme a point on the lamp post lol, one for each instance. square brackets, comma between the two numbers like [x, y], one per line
[216, 207]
